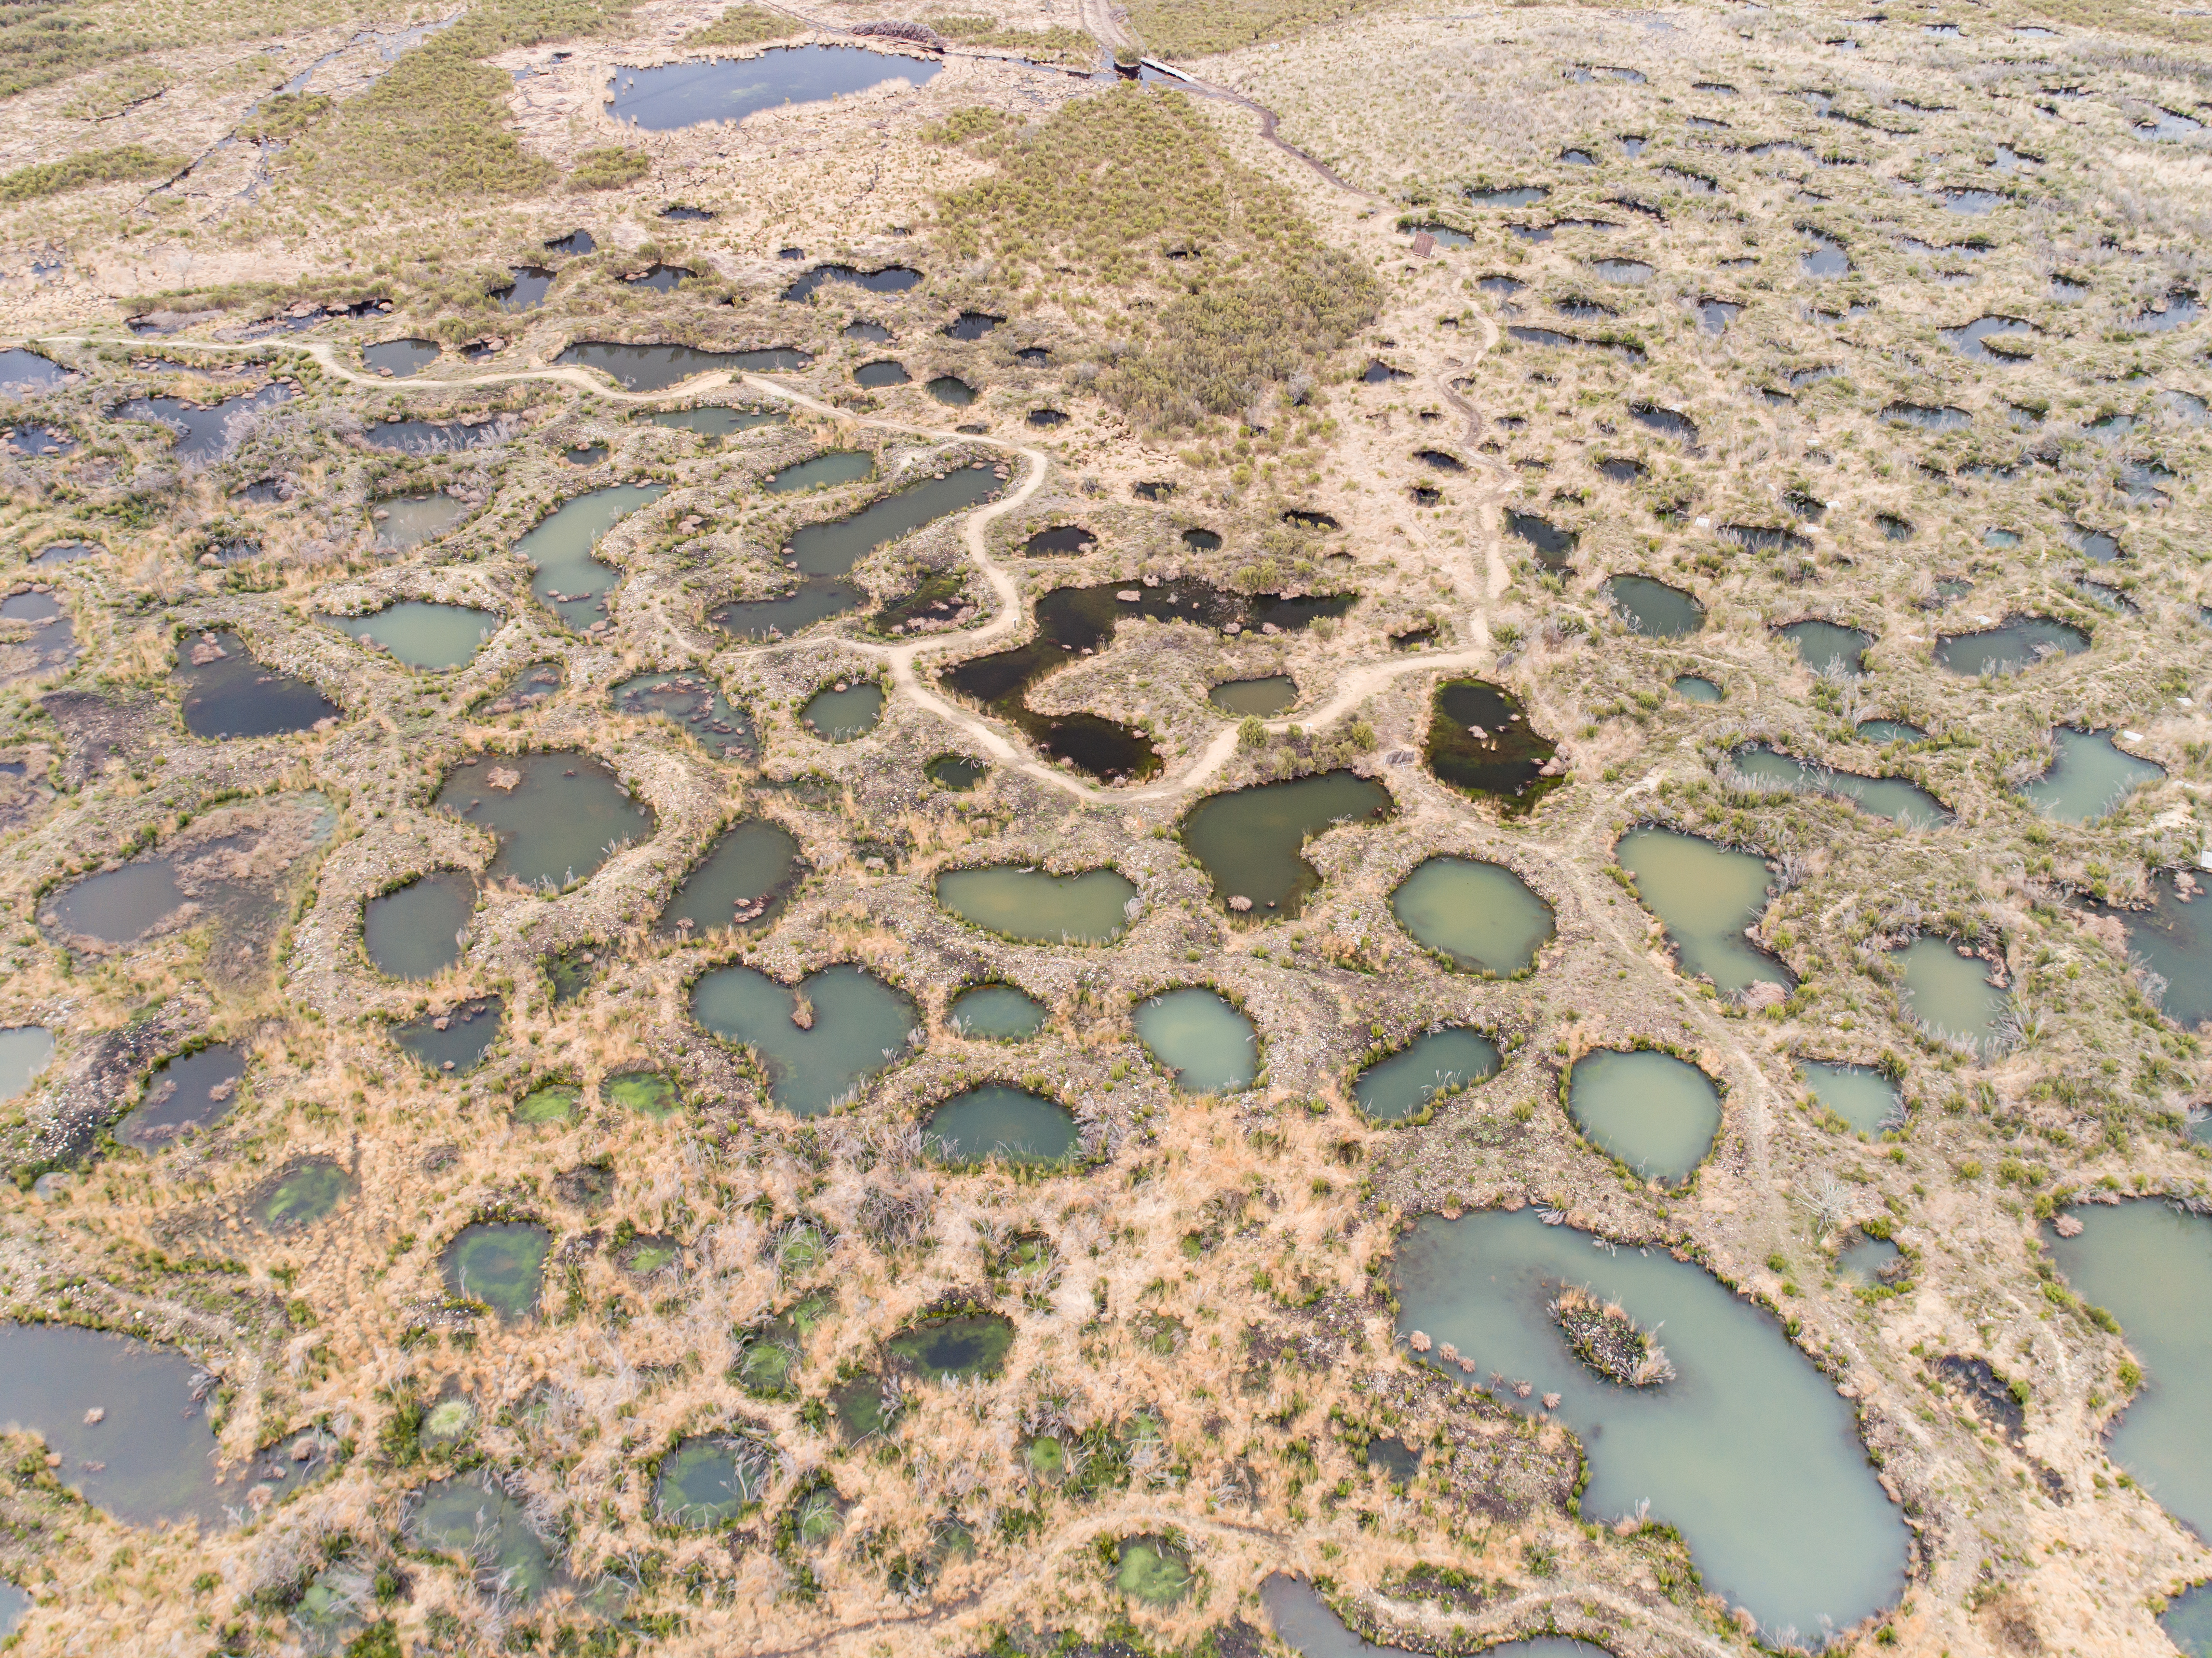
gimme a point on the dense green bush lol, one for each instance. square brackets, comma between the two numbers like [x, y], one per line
[93, 166]
[609, 168]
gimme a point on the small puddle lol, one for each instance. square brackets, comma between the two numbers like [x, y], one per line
[558, 813]
[687, 92]
[813, 600]
[549, 1103]
[843, 712]
[955, 773]
[1929, 417]
[415, 931]
[857, 1026]
[995, 1013]
[823, 472]
[527, 291]
[657, 368]
[405, 522]
[874, 376]
[1303, 1621]
[1870, 1261]
[426, 437]
[1092, 907]
[400, 359]
[1950, 995]
[470, 1517]
[499, 1263]
[1652, 610]
[1971, 341]
[190, 1092]
[1705, 895]
[951, 391]
[25, 1051]
[1205, 1045]
[1859, 1094]
[1250, 841]
[1255, 699]
[970, 325]
[1655, 1113]
[1667, 423]
[148, 1457]
[1824, 258]
[45, 644]
[2022, 642]
[2150, 1266]
[1061, 538]
[566, 577]
[431, 637]
[226, 693]
[2090, 777]
[1553, 546]
[304, 1194]
[468, 1032]
[693, 700]
[1627, 272]
[1748, 1451]
[1887, 731]
[1409, 1082]
[997, 1122]
[1075, 621]
[121, 904]
[1896, 799]
[966, 1344]
[1828, 648]
[1480, 743]
[741, 882]
[1480, 915]
[22, 371]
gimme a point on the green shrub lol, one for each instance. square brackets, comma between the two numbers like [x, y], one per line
[93, 166]
[609, 168]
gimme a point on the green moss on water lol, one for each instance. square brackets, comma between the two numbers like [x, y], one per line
[304, 1194]
[1152, 1570]
[553, 1102]
[972, 1344]
[652, 1092]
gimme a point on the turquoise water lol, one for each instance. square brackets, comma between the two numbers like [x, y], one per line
[1206, 1045]
[1481, 915]
[567, 578]
[432, 637]
[1003, 1124]
[1859, 1094]
[998, 1013]
[1705, 895]
[1950, 992]
[2090, 776]
[1088, 908]
[1749, 1451]
[860, 1027]
[1442, 1062]
[1655, 1113]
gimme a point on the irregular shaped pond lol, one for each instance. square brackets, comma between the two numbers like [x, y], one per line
[1749, 1451]
[1152, 1570]
[1691, 689]
[399, 359]
[1411, 1080]
[415, 931]
[1653, 609]
[1071, 622]
[2090, 777]
[855, 1027]
[1249, 840]
[190, 1092]
[1893, 798]
[649, 1093]
[2173, 938]
[688, 91]
[405, 522]
[996, 1121]
[119, 905]
[25, 1051]
[22, 371]
[1705, 895]
[973, 1344]
[432, 637]
[1951, 994]
[1553, 546]
[1829, 648]
[708, 1479]
[657, 368]
[1255, 699]
[1654, 1112]
[845, 712]
[1971, 341]
[1859, 1094]
[527, 291]
[2151, 1267]
[891, 279]
[566, 577]
[716, 421]
[956, 773]
[1061, 538]
[694, 701]
[1887, 731]
[951, 391]
[226, 693]
[1092, 907]
[1305, 1624]
[742, 881]
[994, 1013]
[202, 433]
[148, 1458]
[1481, 744]
[452, 1042]
[822, 471]
[499, 1263]
[1480, 915]
[425, 437]
[2022, 642]
[47, 643]
[469, 1516]
[1204, 1044]
[557, 813]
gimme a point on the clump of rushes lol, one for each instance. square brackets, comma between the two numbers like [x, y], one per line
[1605, 1337]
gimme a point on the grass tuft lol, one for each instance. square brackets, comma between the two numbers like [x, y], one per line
[93, 166]
[744, 25]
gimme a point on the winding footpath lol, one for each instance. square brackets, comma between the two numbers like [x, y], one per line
[1358, 682]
